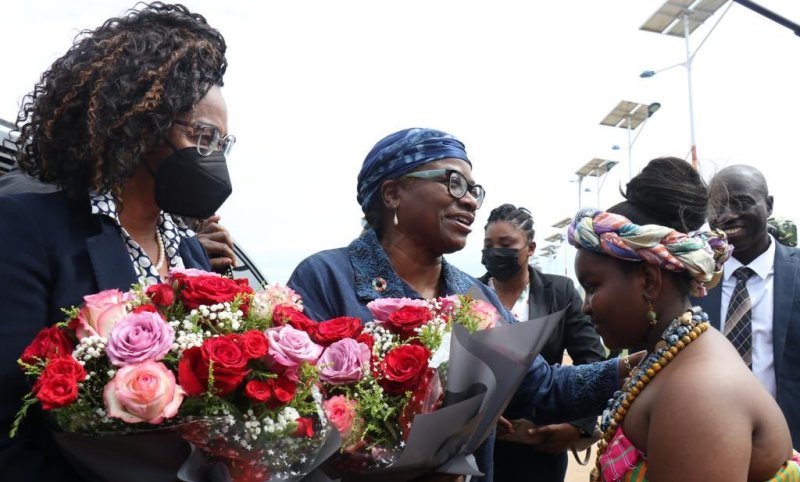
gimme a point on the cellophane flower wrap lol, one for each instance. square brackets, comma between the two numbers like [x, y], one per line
[378, 376]
[200, 355]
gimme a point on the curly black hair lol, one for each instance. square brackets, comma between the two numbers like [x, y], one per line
[668, 192]
[518, 216]
[114, 95]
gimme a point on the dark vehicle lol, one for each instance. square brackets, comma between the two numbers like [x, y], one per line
[244, 268]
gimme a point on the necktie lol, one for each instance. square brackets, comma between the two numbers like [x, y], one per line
[738, 323]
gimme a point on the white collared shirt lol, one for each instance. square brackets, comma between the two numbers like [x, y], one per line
[520, 310]
[760, 287]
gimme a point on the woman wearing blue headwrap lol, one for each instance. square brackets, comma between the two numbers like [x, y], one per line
[419, 198]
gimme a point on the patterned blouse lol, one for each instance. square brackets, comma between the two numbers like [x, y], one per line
[171, 230]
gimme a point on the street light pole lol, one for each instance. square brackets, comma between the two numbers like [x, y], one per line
[630, 150]
[689, 59]
[630, 116]
[679, 18]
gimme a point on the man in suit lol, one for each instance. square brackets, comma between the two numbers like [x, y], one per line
[739, 205]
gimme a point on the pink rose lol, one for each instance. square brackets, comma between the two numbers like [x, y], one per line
[342, 412]
[101, 312]
[484, 313]
[143, 393]
[383, 307]
[448, 304]
[344, 362]
[291, 347]
[138, 337]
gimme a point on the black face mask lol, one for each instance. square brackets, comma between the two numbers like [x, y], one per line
[189, 184]
[502, 263]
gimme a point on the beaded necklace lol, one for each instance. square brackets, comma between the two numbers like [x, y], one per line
[681, 332]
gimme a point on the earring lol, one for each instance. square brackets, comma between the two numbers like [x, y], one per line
[652, 317]
[395, 217]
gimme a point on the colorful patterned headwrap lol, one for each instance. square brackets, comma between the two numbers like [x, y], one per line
[400, 153]
[700, 254]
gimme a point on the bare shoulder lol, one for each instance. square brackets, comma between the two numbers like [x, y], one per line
[709, 402]
[710, 370]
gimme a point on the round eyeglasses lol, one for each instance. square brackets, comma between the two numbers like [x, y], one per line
[209, 138]
[457, 184]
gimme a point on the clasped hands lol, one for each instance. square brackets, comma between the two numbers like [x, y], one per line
[553, 439]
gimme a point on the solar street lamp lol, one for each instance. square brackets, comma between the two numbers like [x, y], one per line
[629, 116]
[679, 18]
[597, 168]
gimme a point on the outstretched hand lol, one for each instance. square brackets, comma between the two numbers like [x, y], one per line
[217, 242]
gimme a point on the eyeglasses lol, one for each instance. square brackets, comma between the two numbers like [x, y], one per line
[456, 183]
[209, 138]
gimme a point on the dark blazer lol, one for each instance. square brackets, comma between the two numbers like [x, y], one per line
[547, 294]
[785, 331]
[53, 252]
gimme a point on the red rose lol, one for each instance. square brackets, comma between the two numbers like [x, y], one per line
[56, 392]
[210, 290]
[58, 384]
[305, 427]
[283, 391]
[161, 294]
[254, 343]
[403, 367]
[190, 372]
[275, 392]
[147, 308]
[229, 366]
[333, 330]
[287, 314]
[405, 320]
[49, 343]
[66, 367]
[258, 391]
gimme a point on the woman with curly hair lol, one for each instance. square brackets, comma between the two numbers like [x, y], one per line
[130, 123]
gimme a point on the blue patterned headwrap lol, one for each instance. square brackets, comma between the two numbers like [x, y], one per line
[400, 153]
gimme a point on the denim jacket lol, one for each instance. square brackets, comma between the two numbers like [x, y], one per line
[340, 282]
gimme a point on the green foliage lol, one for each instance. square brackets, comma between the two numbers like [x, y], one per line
[27, 401]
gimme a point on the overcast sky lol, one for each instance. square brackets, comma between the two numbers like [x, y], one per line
[312, 85]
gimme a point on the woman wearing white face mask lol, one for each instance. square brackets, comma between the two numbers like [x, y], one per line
[529, 294]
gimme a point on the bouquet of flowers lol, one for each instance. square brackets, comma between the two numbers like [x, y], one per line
[378, 377]
[199, 356]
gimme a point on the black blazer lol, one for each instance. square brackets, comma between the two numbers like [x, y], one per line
[53, 252]
[785, 331]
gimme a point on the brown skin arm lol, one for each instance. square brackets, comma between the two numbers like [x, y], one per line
[217, 242]
[700, 429]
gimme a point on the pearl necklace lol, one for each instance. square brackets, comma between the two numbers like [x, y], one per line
[678, 335]
[161, 254]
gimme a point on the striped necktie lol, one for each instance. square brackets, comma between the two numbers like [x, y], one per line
[738, 323]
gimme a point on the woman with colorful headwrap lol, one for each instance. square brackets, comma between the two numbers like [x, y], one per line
[419, 198]
[691, 410]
